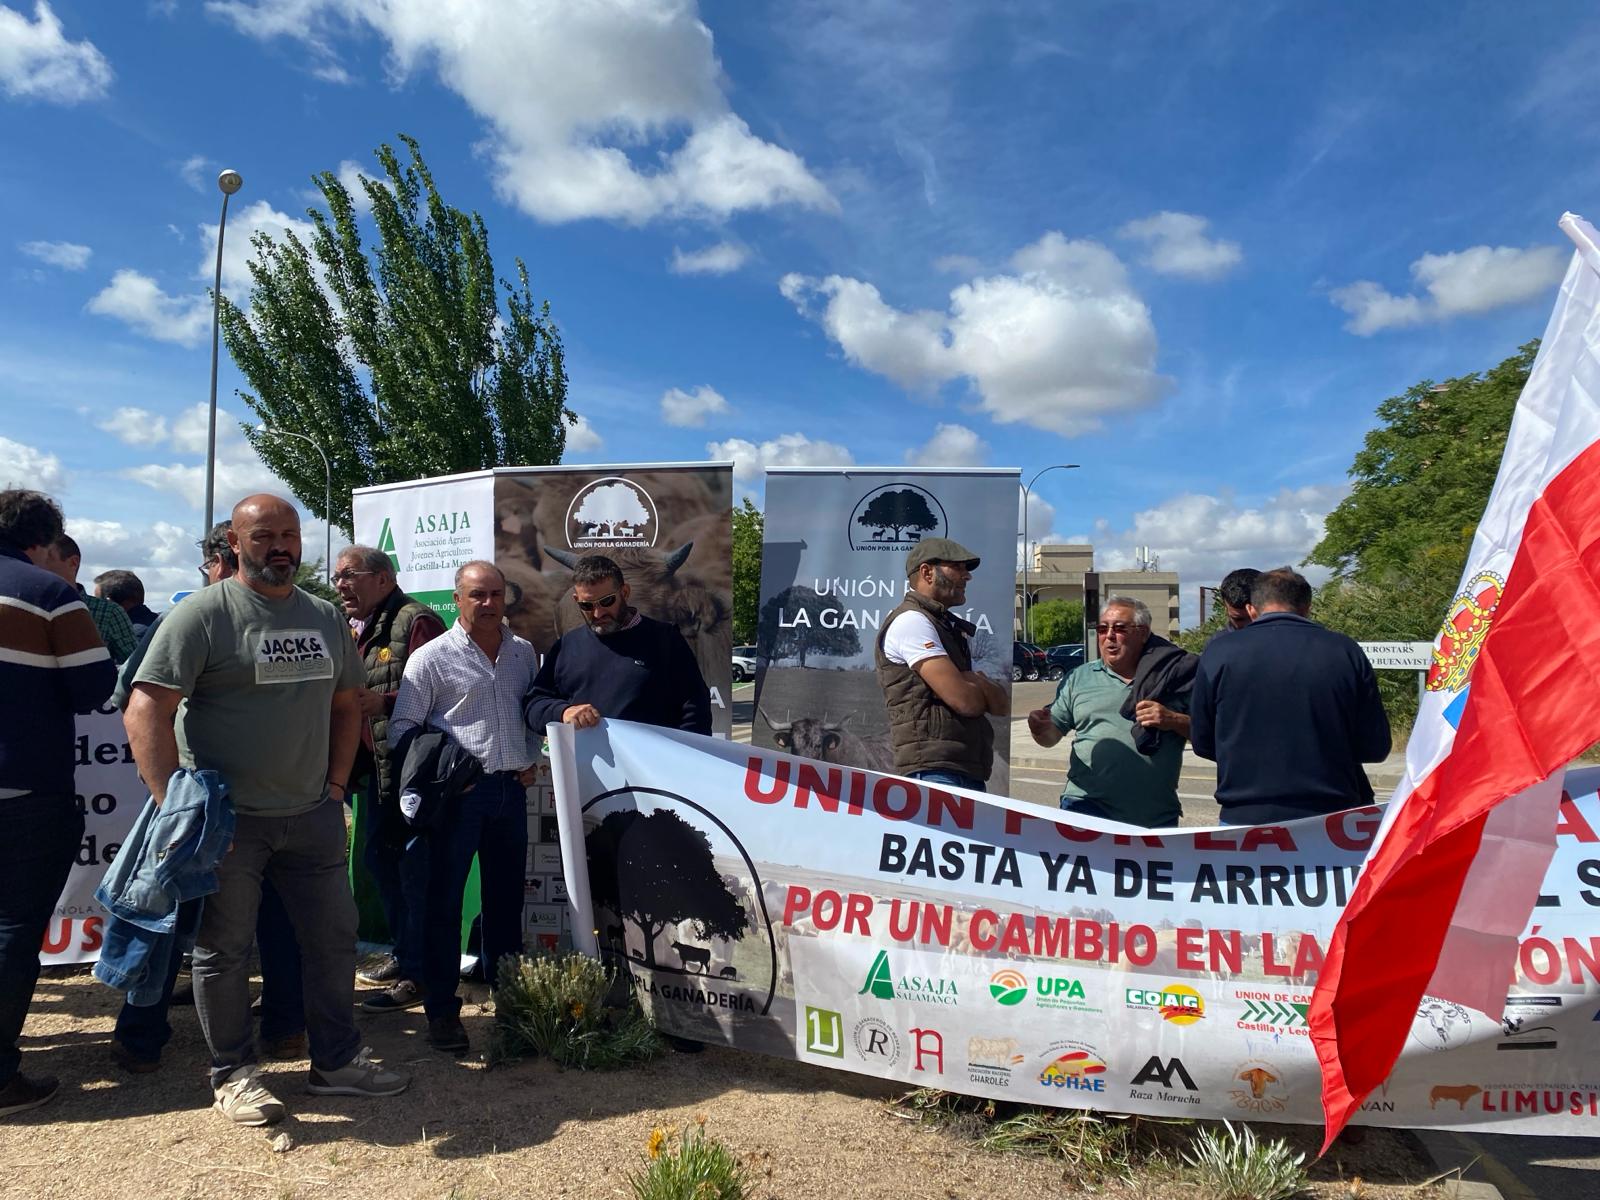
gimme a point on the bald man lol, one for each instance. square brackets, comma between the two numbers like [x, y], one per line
[268, 681]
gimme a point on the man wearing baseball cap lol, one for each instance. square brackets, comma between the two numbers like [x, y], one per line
[939, 707]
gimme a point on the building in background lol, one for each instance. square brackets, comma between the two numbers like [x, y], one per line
[1059, 572]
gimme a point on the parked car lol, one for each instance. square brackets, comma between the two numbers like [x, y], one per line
[1027, 661]
[1061, 659]
[744, 663]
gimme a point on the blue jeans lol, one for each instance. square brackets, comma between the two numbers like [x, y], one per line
[144, 1030]
[954, 778]
[304, 859]
[398, 863]
[491, 821]
[39, 839]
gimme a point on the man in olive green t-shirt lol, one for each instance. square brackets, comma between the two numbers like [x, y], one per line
[1106, 775]
[266, 677]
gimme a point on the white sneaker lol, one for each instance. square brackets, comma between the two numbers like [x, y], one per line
[358, 1077]
[245, 1102]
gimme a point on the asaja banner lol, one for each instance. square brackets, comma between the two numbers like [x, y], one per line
[833, 566]
[869, 923]
[428, 528]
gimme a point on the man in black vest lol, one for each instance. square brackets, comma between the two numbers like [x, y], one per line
[939, 707]
[388, 626]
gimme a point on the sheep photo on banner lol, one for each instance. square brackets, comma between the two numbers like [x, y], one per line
[833, 567]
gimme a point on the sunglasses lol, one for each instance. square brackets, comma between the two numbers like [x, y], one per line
[603, 602]
[1118, 627]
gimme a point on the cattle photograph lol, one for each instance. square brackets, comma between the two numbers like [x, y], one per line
[670, 530]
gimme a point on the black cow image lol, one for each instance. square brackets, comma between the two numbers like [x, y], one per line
[655, 870]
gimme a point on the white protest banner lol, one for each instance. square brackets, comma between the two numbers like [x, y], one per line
[835, 544]
[947, 939]
[110, 794]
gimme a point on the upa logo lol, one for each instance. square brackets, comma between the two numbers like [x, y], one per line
[1008, 986]
[609, 513]
[895, 516]
[1178, 1003]
[1074, 1067]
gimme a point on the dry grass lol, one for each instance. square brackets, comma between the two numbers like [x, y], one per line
[468, 1132]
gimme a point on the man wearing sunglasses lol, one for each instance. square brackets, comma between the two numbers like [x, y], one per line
[1113, 704]
[389, 626]
[939, 707]
[620, 663]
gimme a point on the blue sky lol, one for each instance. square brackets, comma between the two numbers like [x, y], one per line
[1190, 247]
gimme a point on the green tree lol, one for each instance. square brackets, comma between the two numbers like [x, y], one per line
[748, 530]
[1056, 621]
[899, 511]
[400, 365]
[313, 577]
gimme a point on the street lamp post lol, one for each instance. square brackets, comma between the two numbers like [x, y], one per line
[229, 182]
[327, 494]
[1025, 555]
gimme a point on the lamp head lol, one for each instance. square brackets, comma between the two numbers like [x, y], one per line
[230, 182]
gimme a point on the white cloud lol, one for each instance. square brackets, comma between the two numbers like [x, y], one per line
[193, 170]
[239, 471]
[721, 258]
[37, 62]
[138, 302]
[1461, 283]
[136, 427]
[614, 110]
[691, 410]
[957, 264]
[950, 446]
[582, 438]
[69, 256]
[141, 303]
[1056, 344]
[1176, 244]
[786, 450]
[1041, 522]
[1203, 537]
[23, 466]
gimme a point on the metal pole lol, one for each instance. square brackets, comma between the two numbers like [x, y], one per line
[228, 182]
[1026, 492]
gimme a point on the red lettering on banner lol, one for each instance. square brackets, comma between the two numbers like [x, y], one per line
[1214, 841]
[796, 902]
[884, 804]
[980, 937]
[810, 782]
[960, 809]
[1571, 823]
[752, 781]
[1268, 835]
[1189, 949]
[1355, 829]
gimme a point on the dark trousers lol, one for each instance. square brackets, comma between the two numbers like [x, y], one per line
[955, 778]
[144, 1030]
[39, 839]
[490, 821]
[304, 858]
[398, 863]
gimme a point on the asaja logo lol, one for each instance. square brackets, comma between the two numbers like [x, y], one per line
[1008, 986]
[1178, 1003]
[876, 1041]
[1258, 1087]
[895, 516]
[609, 513]
[386, 544]
[882, 982]
[1073, 1067]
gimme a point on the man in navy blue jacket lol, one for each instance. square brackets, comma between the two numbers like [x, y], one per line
[620, 663]
[1288, 710]
[52, 665]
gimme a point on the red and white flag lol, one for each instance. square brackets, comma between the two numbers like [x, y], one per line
[1510, 700]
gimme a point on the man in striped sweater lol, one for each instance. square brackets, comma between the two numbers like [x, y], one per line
[52, 665]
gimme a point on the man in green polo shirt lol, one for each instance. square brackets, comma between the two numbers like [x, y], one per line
[1107, 776]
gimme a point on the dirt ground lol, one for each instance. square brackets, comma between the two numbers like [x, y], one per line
[468, 1132]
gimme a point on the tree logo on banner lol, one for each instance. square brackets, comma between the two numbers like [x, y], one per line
[895, 516]
[611, 513]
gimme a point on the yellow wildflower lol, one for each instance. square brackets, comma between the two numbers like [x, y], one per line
[653, 1146]
[577, 1010]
